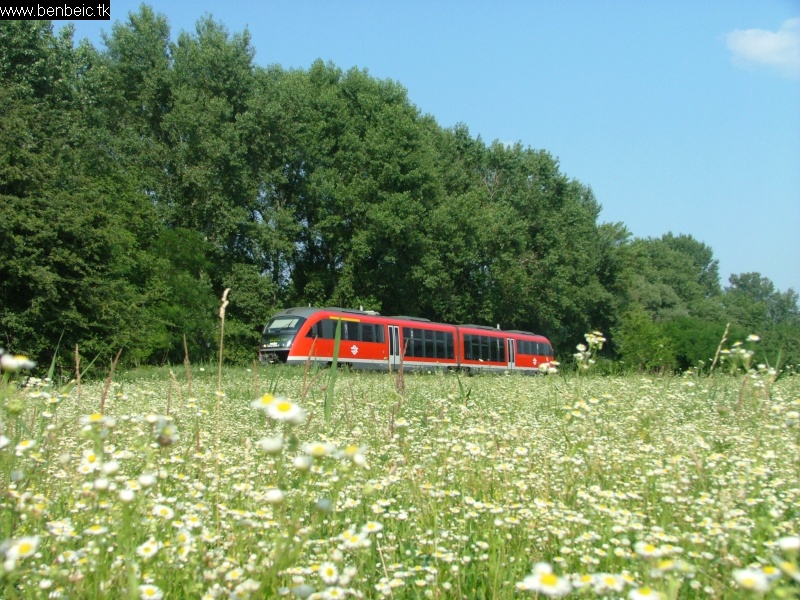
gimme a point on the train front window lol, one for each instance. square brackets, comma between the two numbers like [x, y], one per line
[282, 324]
[280, 331]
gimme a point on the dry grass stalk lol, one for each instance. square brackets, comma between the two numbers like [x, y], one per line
[187, 365]
[174, 381]
[108, 382]
[719, 348]
[222, 308]
[78, 372]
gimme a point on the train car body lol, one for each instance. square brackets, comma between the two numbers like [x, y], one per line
[371, 341]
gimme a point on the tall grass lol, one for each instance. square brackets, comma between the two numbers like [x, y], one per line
[498, 487]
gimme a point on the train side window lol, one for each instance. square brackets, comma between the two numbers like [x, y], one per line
[408, 341]
[351, 331]
[474, 347]
[497, 350]
[379, 336]
[367, 332]
[486, 352]
[441, 351]
[430, 343]
[500, 348]
[419, 342]
[450, 346]
[327, 329]
[414, 342]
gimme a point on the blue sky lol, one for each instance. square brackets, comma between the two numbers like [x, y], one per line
[682, 116]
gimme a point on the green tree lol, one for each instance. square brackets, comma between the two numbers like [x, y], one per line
[179, 297]
[752, 302]
[547, 273]
[133, 75]
[35, 64]
[358, 180]
[695, 341]
[643, 343]
[210, 183]
[675, 276]
[78, 221]
[68, 242]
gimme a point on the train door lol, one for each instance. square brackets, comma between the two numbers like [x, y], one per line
[511, 354]
[394, 346]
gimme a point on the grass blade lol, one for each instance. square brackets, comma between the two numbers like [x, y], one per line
[332, 379]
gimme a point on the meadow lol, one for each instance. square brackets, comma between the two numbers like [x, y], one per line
[192, 483]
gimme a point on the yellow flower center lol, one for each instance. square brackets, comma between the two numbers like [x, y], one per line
[549, 579]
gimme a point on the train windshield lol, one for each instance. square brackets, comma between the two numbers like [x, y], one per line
[284, 324]
[280, 331]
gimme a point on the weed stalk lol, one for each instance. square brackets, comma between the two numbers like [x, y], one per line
[108, 382]
[332, 378]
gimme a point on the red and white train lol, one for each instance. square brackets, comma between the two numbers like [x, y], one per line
[371, 341]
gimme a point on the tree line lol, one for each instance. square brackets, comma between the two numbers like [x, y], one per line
[139, 180]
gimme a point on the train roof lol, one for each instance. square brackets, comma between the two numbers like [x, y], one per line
[520, 331]
[405, 318]
[486, 327]
[307, 311]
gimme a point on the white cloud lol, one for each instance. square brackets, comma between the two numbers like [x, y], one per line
[775, 49]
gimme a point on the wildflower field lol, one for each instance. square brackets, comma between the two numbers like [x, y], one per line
[179, 484]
